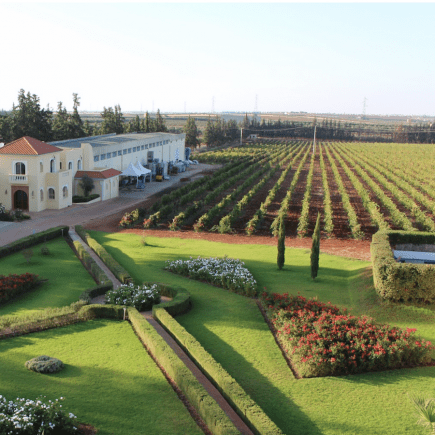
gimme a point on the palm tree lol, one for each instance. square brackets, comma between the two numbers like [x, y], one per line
[425, 410]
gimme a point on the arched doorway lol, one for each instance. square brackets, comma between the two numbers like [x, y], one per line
[21, 200]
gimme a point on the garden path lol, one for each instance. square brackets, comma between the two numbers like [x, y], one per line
[209, 387]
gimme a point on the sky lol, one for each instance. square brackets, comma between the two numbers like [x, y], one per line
[196, 57]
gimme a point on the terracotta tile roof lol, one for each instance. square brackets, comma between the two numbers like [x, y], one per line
[28, 146]
[107, 173]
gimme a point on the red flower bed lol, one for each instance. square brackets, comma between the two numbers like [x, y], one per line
[321, 340]
[13, 285]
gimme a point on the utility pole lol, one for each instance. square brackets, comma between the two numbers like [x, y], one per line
[314, 141]
[241, 136]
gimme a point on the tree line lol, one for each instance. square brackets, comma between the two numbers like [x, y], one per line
[28, 118]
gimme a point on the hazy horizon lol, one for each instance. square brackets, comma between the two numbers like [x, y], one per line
[176, 57]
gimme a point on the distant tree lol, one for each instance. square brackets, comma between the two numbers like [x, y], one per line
[28, 119]
[62, 127]
[88, 130]
[77, 129]
[281, 243]
[109, 121]
[232, 131]
[245, 122]
[315, 249]
[159, 123]
[119, 120]
[147, 123]
[87, 184]
[209, 133]
[192, 132]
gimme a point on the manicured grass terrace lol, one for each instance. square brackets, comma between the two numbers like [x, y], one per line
[67, 278]
[231, 328]
[109, 380]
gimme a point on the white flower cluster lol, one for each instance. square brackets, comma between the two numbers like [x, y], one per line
[34, 417]
[225, 272]
[141, 297]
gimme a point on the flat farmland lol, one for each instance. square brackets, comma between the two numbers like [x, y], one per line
[357, 188]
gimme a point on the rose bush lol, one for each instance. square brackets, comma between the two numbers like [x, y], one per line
[321, 340]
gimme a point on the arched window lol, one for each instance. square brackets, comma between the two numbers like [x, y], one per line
[70, 166]
[20, 168]
[41, 167]
[41, 194]
[51, 193]
[52, 165]
[65, 191]
[79, 165]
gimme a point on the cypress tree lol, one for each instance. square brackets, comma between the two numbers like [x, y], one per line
[281, 243]
[315, 249]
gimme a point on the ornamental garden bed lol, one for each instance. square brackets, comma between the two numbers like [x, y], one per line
[321, 340]
[232, 329]
[100, 357]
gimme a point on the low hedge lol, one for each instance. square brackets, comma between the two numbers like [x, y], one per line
[12, 326]
[93, 292]
[77, 199]
[91, 265]
[214, 417]
[180, 300]
[401, 281]
[247, 409]
[106, 258]
[29, 241]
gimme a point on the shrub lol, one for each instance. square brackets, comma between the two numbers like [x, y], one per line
[14, 285]
[401, 281]
[224, 272]
[44, 364]
[141, 297]
[35, 417]
[322, 341]
[78, 199]
[45, 250]
[27, 254]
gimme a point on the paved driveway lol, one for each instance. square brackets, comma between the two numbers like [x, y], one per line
[79, 214]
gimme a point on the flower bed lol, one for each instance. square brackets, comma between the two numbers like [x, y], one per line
[321, 340]
[35, 417]
[228, 273]
[141, 297]
[14, 285]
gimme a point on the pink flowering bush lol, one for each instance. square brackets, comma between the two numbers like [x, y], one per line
[321, 340]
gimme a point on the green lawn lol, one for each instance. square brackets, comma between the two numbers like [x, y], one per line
[67, 278]
[231, 328]
[109, 380]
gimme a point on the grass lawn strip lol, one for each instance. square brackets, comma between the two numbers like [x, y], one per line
[109, 380]
[67, 278]
[231, 328]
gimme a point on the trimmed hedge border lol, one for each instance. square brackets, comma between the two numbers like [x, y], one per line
[180, 299]
[401, 281]
[215, 418]
[78, 312]
[93, 292]
[91, 264]
[247, 409]
[106, 258]
[29, 241]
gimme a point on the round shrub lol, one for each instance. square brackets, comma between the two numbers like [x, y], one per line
[141, 297]
[44, 364]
